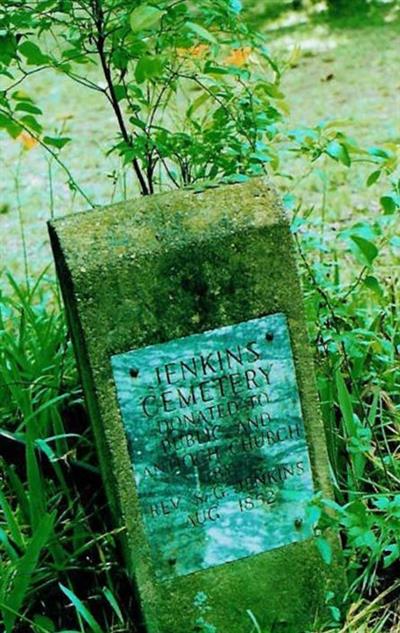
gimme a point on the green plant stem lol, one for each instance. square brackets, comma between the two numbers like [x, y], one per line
[51, 192]
[20, 218]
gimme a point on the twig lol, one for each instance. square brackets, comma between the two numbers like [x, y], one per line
[100, 42]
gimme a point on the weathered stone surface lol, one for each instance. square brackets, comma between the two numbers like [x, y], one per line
[135, 278]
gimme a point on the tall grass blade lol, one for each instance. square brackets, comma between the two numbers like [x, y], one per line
[113, 602]
[11, 521]
[81, 609]
[352, 426]
[24, 569]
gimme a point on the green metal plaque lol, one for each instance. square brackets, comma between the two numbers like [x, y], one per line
[217, 444]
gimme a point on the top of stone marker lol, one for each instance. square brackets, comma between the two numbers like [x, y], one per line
[146, 224]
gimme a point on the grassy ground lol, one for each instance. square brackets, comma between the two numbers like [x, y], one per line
[346, 74]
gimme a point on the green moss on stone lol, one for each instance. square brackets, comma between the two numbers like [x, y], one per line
[166, 266]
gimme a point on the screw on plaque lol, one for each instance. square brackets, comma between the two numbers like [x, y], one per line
[172, 561]
[269, 337]
[134, 372]
[298, 523]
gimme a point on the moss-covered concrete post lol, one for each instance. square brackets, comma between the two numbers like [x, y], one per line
[187, 320]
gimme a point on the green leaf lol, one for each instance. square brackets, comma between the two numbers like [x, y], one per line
[313, 514]
[4, 120]
[372, 178]
[44, 624]
[35, 483]
[137, 122]
[197, 103]
[393, 555]
[144, 17]
[335, 613]
[58, 142]
[339, 152]
[21, 95]
[32, 123]
[8, 548]
[367, 249]
[25, 568]
[33, 54]
[120, 92]
[373, 284]
[212, 69]
[351, 425]
[8, 124]
[148, 68]
[11, 521]
[324, 549]
[7, 47]
[271, 90]
[346, 406]
[237, 178]
[377, 151]
[388, 204]
[44, 5]
[114, 604]
[201, 32]
[27, 106]
[81, 609]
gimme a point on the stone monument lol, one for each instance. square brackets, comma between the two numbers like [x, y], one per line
[187, 321]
